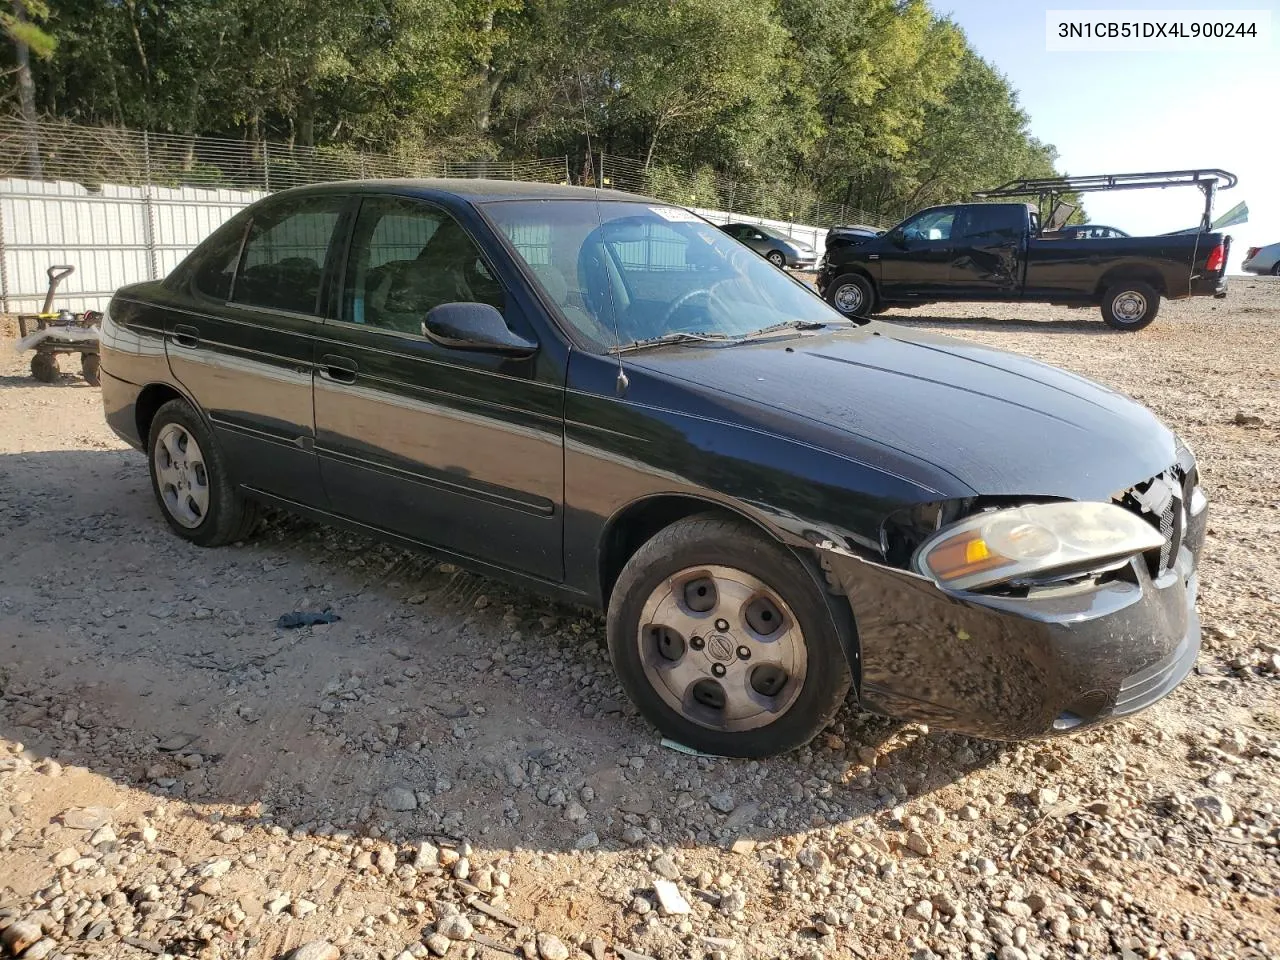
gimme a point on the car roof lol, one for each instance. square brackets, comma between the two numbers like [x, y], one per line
[474, 190]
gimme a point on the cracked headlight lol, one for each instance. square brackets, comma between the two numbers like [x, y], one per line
[1033, 541]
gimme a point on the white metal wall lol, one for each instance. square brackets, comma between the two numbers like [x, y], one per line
[119, 235]
[112, 236]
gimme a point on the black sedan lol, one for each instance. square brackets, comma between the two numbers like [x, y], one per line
[606, 398]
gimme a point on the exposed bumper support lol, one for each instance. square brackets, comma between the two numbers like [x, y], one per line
[1013, 668]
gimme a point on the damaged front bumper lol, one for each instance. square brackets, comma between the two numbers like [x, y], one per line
[1012, 668]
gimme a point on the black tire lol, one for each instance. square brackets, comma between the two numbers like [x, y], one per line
[855, 292]
[230, 515]
[777, 258]
[90, 367]
[44, 367]
[710, 540]
[1275, 270]
[1130, 305]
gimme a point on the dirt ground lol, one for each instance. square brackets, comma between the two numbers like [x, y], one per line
[452, 769]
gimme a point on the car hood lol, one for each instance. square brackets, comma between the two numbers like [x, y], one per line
[1000, 423]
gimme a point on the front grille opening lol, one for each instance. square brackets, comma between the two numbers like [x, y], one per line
[1161, 501]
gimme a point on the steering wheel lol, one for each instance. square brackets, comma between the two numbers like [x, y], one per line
[684, 298]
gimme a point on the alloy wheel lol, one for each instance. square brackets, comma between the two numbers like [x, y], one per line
[722, 648]
[181, 475]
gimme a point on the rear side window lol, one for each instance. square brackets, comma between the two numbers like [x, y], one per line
[992, 223]
[282, 266]
[213, 274]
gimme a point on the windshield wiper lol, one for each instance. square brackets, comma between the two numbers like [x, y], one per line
[785, 325]
[669, 338]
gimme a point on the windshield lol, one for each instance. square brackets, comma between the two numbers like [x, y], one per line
[648, 271]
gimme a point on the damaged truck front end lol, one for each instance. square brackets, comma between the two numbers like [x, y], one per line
[1046, 646]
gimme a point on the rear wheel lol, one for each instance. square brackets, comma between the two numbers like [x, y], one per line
[44, 367]
[724, 642]
[190, 481]
[852, 295]
[1130, 305]
[777, 259]
[1275, 270]
[90, 367]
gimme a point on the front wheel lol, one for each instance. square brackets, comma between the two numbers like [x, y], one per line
[1130, 305]
[190, 481]
[44, 367]
[777, 259]
[1275, 270]
[852, 295]
[724, 641]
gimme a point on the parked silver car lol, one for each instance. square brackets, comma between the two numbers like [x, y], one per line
[773, 245]
[1263, 260]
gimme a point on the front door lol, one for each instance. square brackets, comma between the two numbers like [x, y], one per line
[455, 449]
[915, 260]
[243, 349]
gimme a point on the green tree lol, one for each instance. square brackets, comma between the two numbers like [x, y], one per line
[27, 39]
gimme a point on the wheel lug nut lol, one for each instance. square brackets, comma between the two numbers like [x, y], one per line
[744, 653]
[722, 625]
[718, 669]
[696, 643]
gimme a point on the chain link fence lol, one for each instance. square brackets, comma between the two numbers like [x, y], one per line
[126, 205]
[53, 150]
[785, 202]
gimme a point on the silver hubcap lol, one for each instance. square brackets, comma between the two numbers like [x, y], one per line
[722, 648]
[848, 298]
[181, 475]
[776, 259]
[1130, 306]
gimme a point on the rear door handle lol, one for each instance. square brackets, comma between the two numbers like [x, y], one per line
[338, 369]
[185, 335]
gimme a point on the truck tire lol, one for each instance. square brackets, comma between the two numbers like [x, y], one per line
[852, 294]
[1130, 305]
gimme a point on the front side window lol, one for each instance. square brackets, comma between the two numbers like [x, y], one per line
[624, 271]
[930, 225]
[408, 257]
[282, 266]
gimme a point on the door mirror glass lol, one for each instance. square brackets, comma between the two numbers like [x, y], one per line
[474, 326]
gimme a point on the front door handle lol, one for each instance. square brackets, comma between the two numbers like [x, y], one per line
[338, 369]
[185, 335]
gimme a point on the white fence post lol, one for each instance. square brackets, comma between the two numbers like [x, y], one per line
[4, 261]
[149, 212]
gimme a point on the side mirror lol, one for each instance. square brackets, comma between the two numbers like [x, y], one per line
[475, 326]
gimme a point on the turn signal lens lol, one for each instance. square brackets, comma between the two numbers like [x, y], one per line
[1002, 545]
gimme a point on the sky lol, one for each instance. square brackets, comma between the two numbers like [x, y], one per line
[1112, 112]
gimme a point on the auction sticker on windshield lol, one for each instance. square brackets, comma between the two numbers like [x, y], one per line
[676, 215]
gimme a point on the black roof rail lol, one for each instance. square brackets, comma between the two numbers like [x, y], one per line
[1208, 180]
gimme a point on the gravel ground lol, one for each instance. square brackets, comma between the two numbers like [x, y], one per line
[451, 769]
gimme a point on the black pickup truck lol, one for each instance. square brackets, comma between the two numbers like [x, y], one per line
[995, 251]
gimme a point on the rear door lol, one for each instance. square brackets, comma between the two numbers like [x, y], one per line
[989, 244]
[457, 449]
[245, 351]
